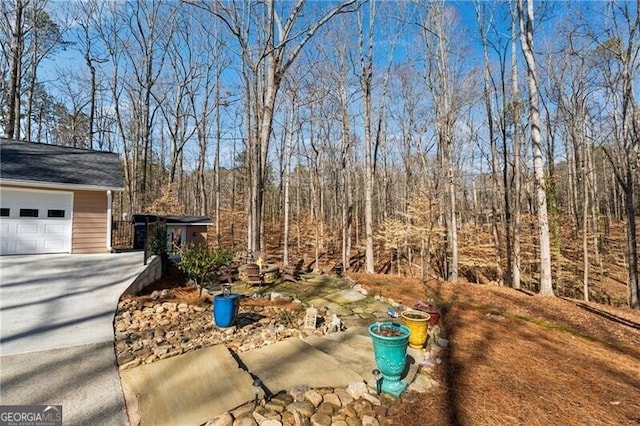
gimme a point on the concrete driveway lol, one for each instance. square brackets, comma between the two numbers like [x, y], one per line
[56, 341]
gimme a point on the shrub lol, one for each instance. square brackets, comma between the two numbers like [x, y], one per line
[199, 262]
[157, 244]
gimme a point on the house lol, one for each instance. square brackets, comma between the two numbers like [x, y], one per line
[186, 229]
[56, 199]
[180, 230]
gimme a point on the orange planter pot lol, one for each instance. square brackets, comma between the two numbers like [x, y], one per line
[418, 324]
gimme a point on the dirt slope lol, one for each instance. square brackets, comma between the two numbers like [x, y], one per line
[516, 358]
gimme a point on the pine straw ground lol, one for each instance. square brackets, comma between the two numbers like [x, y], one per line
[517, 358]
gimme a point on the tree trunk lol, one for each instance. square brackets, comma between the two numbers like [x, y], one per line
[288, 148]
[12, 125]
[526, 41]
[517, 175]
[632, 243]
[452, 228]
[585, 229]
[366, 62]
[495, 193]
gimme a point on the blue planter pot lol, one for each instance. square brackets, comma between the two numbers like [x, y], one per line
[225, 309]
[390, 354]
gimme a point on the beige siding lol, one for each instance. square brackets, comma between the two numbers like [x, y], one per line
[196, 233]
[89, 222]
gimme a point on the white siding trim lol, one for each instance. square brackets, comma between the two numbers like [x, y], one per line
[61, 186]
[109, 218]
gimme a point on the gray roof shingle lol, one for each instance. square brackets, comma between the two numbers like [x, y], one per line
[38, 162]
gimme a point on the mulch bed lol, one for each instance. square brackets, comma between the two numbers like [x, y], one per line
[516, 358]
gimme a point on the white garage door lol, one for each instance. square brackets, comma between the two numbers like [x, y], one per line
[34, 222]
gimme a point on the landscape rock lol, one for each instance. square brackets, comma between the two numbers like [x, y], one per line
[147, 330]
[354, 421]
[165, 329]
[370, 421]
[313, 397]
[320, 419]
[243, 410]
[222, 420]
[283, 399]
[356, 390]
[245, 421]
[300, 419]
[327, 408]
[298, 392]
[274, 406]
[345, 397]
[422, 383]
[303, 407]
[332, 398]
[372, 399]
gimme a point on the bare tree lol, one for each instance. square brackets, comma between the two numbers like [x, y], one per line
[526, 43]
[495, 192]
[87, 18]
[338, 50]
[266, 60]
[12, 120]
[445, 82]
[150, 28]
[366, 79]
[42, 37]
[620, 49]
[573, 84]
[517, 174]
[177, 87]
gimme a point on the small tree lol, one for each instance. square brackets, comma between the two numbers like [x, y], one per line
[157, 244]
[199, 262]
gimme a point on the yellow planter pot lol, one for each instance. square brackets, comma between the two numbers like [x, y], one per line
[418, 324]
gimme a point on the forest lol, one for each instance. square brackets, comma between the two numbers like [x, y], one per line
[493, 142]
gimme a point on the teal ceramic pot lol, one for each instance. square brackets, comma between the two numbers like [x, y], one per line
[390, 342]
[225, 309]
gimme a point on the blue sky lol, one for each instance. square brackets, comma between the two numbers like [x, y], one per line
[551, 14]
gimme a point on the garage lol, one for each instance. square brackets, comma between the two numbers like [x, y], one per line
[35, 221]
[56, 199]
